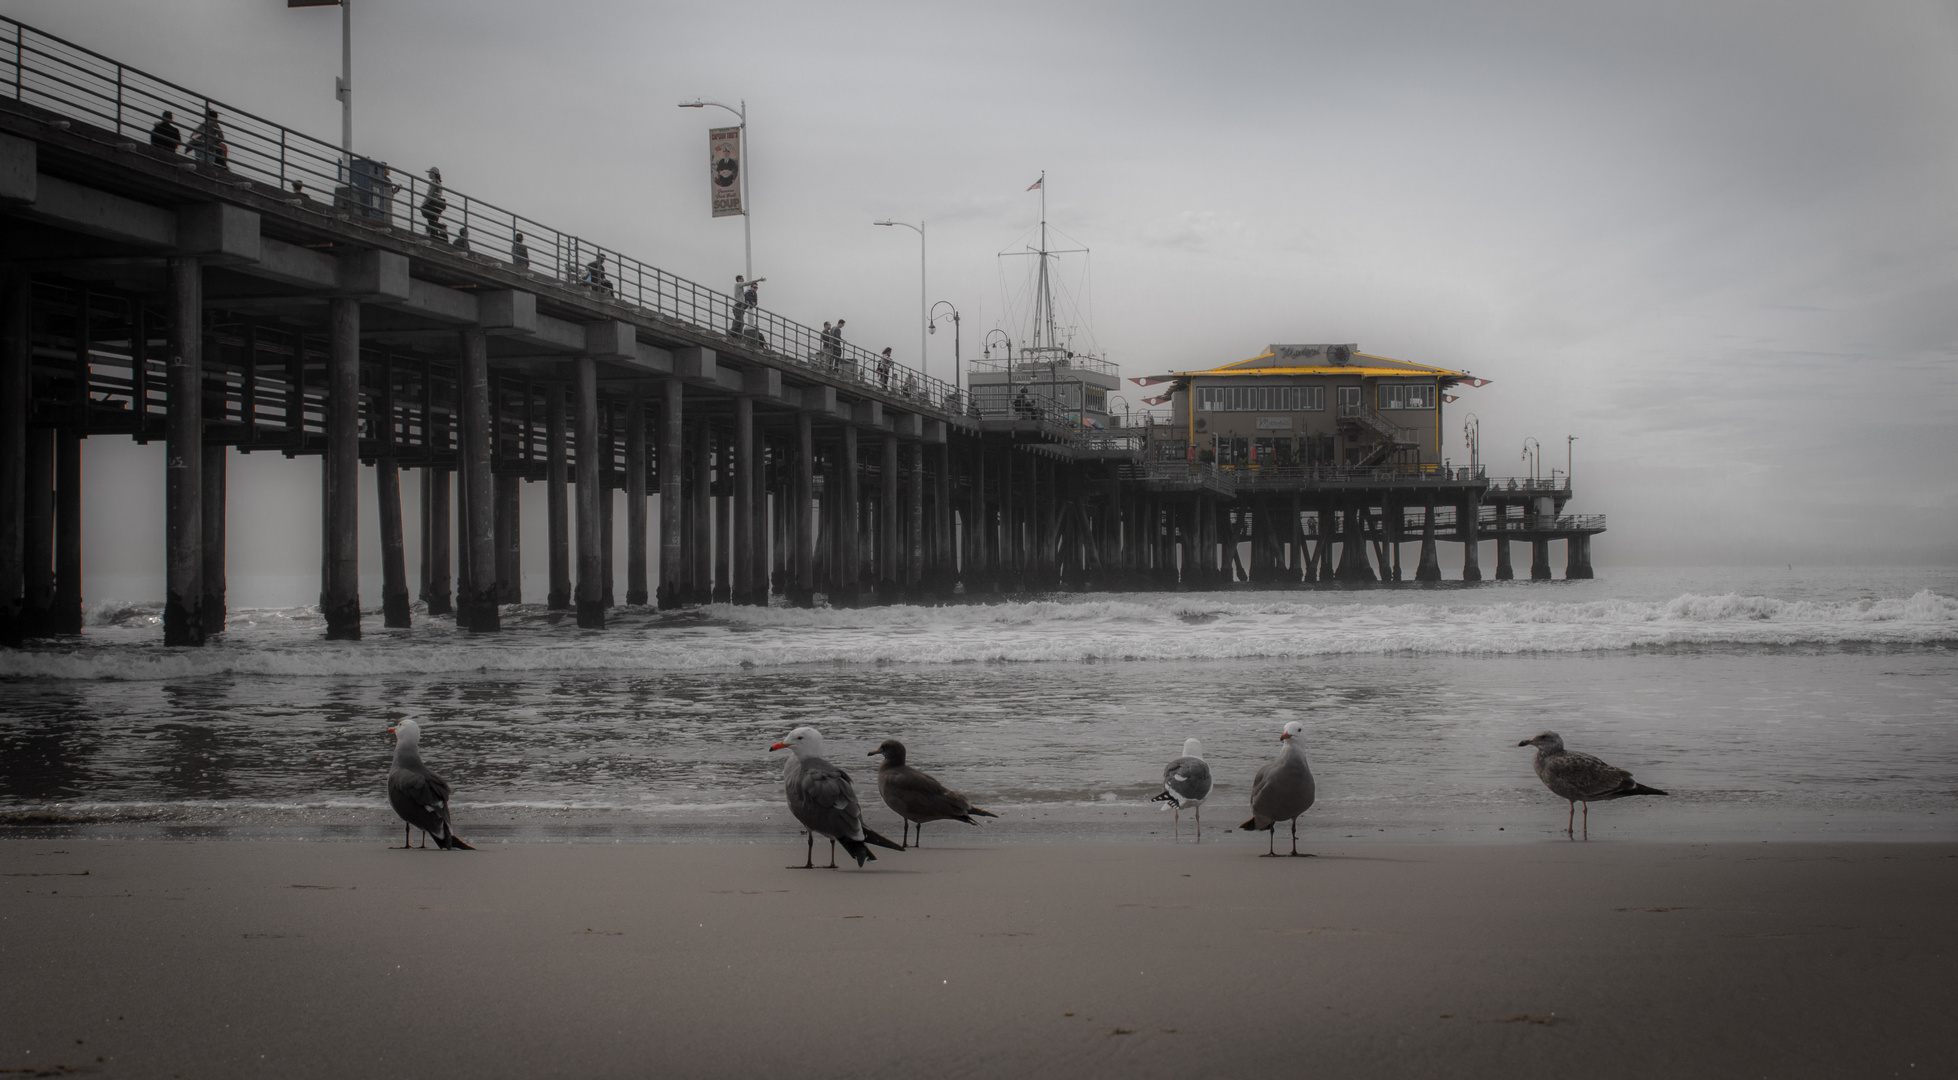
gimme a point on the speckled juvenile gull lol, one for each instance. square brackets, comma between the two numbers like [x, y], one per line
[824, 799]
[1282, 789]
[916, 796]
[418, 795]
[1186, 783]
[1580, 778]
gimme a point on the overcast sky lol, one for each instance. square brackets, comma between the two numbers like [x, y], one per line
[1713, 240]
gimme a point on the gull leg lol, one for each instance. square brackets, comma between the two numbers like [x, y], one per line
[832, 853]
[1176, 820]
[809, 860]
[424, 844]
[1199, 823]
[904, 840]
[1571, 821]
[1271, 848]
[920, 841]
[1587, 821]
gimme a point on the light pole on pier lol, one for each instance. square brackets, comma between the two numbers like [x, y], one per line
[932, 326]
[1532, 453]
[1007, 340]
[1472, 435]
[747, 200]
[924, 318]
[1568, 440]
[343, 84]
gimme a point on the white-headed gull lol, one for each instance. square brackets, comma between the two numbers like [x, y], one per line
[1282, 789]
[418, 795]
[822, 797]
[1186, 783]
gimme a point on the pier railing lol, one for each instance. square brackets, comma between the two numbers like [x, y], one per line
[1557, 486]
[313, 175]
[1287, 476]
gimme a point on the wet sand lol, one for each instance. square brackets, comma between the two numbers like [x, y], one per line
[220, 959]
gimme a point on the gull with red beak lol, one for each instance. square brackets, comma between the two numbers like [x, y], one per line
[418, 795]
[1282, 790]
[824, 799]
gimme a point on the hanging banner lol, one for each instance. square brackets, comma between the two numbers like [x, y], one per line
[724, 157]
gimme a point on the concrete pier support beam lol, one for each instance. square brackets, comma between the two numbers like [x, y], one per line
[66, 618]
[436, 516]
[723, 522]
[509, 538]
[394, 556]
[1539, 560]
[607, 485]
[1468, 519]
[635, 503]
[37, 536]
[1577, 558]
[1430, 566]
[476, 599]
[670, 475]
[849, 587]
[16, 364]
[214, 540]
[890, 546]
[183, 458]
[743, 590]
[803, 594]
[1505, 570]
[557, 500]
[591, 558]
[702, 541]
[914, 511]
[340, 593]
[1353, 564]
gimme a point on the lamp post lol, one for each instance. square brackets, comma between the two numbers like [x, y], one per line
[932, 325]
[343, 84]
[1007, 340]
[1472, 436]
[747, 200]
[1568, 440]
[1532, 451]
[924, 317]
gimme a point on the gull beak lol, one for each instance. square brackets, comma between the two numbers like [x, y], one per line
[1525, 742]
[390, 731]
[1283, 735]
[778, 746]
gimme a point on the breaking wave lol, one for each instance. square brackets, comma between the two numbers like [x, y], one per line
[121, 643]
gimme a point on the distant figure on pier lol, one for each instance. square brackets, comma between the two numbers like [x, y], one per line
[434, 205]
[595, 275]
[837, 342]
[824, 342]
[884, 364]
[299, 189]
[207, 142]
[462, 238]
[1023, 405]
[910, 384]
[519, 254]
[166, 135]
[746, 298]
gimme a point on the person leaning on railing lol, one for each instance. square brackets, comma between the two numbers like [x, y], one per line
[207, 142]
[166, 135]
[434, 204]
[519, 254]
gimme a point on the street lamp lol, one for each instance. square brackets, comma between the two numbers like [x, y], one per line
[1532, 451]
[1568, 440]
[1472, 435]
[343, 84]
[932, 325]
[1007, 340]
[924, 316]
[747, 200]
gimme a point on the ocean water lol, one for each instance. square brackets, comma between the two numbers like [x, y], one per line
[1770, 704]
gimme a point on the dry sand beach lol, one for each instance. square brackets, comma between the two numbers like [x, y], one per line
[220, 959]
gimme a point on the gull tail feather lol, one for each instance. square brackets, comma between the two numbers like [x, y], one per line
[1641, 789]
[1253, 826]
[983, 813]
[870, 836]
[857, 850]
[452, 842]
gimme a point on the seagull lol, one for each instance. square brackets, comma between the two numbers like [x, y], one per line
[1580, 778]
[1186, 783]
[418, 795]
[916, 796]
[1282, 789]
[822, 797]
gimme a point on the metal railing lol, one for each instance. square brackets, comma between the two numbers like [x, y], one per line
[220, 141]
[1029, 365]
[1279, 476]
[1558, 486]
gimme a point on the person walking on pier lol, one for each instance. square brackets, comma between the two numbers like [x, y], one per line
[207, 142]
[595, 275]
[837, 344]
[166, 135]
[823, 355]
[519, 254]
[884, 364]
[746, 298]
[434, 205]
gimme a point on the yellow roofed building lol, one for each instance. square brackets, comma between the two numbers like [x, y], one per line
[1305, 405]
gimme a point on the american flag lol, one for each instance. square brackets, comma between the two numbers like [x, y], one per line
[1038, 184]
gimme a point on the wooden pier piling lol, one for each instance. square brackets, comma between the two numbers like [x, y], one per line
[437, 513]
[214, 501]
[743, 589]
[636, 593]
[183, 506]
[37, 536]
[394, 556]
[476, 603]
[557, 510]
[590, 591]
[67, 617]
[340, 472]
[671, 595]
[803, 517]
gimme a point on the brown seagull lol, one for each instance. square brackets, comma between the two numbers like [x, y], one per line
[1580, 778]
[916, 795]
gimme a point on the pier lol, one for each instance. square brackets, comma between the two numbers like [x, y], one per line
[265, 292]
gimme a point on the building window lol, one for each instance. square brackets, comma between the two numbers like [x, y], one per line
[1265, 399]
[1407, 395]
[1097, 399]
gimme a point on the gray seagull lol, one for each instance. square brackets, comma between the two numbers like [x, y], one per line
[1580, 778]
[917, 796]
[1282, 790]
[822, 797]
[1186, 783]
[418, 795]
